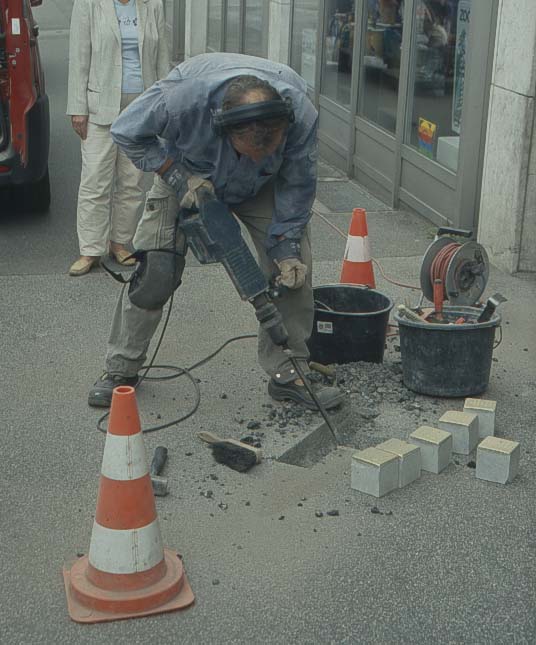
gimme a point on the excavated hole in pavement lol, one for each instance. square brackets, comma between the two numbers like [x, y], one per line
[378, 407]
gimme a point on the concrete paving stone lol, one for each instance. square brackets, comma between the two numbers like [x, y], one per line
[374, 472]
[464, 429]
[485, 411]
[409, 459]
[436, 448]
[497, 460]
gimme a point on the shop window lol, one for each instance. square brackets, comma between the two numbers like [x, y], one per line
[438, 78]
[232, 26]
[304, 38]
[338, 50]
[256, 28]
[378, 99]
[215, 25]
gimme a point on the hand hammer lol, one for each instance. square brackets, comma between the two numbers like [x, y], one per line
[160, 484]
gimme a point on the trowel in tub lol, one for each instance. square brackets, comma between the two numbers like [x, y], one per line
[491, 305]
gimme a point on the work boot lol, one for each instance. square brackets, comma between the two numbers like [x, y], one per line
[330, 397]
[100, 395]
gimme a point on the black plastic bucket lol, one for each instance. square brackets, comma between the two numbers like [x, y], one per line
[350, 324]
[448, 360]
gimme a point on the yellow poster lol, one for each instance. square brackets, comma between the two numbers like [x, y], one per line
[427, 136]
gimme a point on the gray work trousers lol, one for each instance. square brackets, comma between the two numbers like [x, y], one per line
[133, 328]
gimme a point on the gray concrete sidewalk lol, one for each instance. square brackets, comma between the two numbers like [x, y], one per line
[453, 563]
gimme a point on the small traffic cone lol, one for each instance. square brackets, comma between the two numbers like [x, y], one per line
[357, 263]
[127, 573]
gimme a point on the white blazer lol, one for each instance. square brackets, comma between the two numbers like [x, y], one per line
[95, 61]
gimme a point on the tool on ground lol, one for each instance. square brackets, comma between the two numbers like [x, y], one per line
[160, 484]
[235, 454]
[491, 305]
[462, 268]
[410, 314]
[127, 573]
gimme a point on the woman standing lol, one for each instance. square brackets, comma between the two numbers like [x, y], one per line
[117, 50]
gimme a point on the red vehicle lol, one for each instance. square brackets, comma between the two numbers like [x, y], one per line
[24, 111]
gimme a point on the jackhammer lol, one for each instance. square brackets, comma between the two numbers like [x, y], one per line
[213, 234]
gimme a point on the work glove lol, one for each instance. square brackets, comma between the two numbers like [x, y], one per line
[175, 176]
[195, 184]
[292, 273]
[287, 257]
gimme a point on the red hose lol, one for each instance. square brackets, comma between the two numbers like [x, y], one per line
[440, 264]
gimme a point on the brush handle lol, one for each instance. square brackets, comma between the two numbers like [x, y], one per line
[209, 437]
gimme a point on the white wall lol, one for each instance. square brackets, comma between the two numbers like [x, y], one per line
[508, 204]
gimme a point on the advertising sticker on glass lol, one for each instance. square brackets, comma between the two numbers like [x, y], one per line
[462, 39]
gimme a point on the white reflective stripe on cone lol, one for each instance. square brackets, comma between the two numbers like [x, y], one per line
[357, 249]
[129, 551]
[124, 457]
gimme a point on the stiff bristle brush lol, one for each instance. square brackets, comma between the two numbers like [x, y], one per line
[235, 454]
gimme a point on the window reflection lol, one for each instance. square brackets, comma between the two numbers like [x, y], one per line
[214, 25]
[438, 73]
[256, 19]
[304, 35]
[232, 27]
[378, 97]
[338, 50]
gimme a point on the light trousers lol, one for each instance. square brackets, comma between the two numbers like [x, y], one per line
[133, 328]
[110, 192]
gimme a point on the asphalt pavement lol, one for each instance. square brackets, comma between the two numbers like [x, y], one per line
[450, 559]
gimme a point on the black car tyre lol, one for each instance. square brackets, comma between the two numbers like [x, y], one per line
[32, 198]
[37, 195]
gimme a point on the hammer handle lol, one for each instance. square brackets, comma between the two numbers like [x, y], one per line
[159, 460]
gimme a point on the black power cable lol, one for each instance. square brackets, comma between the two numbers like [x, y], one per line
[179, 371]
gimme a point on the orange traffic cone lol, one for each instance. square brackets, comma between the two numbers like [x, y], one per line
[357, 263]
[127, 573]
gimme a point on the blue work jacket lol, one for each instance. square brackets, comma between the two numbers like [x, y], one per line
[173, 119]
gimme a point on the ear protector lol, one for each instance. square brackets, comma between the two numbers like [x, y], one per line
[278, 108]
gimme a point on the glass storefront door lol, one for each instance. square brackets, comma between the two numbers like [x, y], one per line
[239, 26]
[338, 51]
[421, 102]
[256, 15]
[380, 76]
[336, 80]
[305, 23]
[232, 26]
[440, 53]
[215, 25]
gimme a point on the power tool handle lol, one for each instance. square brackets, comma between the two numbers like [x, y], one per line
[159, 460]
[446, 230]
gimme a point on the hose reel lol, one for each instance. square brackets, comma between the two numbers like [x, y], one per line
[463, 268]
